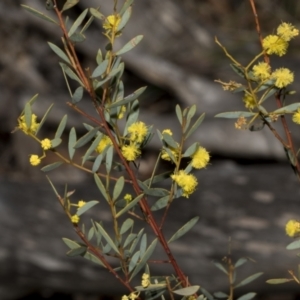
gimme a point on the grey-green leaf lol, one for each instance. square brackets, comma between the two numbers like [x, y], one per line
[293, 245]
[130, 45]
[61, 127]
[93, 258]
[129, 98]
[133, 261]
[78, 22]
[69, 4]
[125, 18]
[195, 125]
[126, 226]
[52, 166]
[44, 119]
[288, 108]
[144, 259]
[72, 142]
[184, 229]
[220, 295]
[220, 267]
[279, 280]
[191, 150]
[77, 251]
[78, 94]
[28, 115]
[160, 203]
[97, 14]
[70, 73]
[129, 206]
[55, 142]
[240, 262]
[59, 52]
[118, 188]
[86, 207]
[188, 291]
[101, 186]
[39, 14]
[91, 148]
[125, 6]
[107, 237]
[235, 114]
[100, 69]
[249, 279]
[86, 138]
[247, 296]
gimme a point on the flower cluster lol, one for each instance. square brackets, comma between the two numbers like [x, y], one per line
[296, 116]
[75, 219]
[145, 280]
[111, 24]
[200, 158]
[188, 182]
[137, 133]
[249, 101]
[132, 296]
[292, 228]
[104, 142]
[128, 198]
[33, 126]
[46, 144]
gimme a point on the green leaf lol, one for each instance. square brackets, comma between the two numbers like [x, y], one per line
[72, 142]
[55, 142]
[132, 116]
[130, 205]
[157, 192]
[86, 207]
[220, 295]
[99, 57]
[169, 140]
[184, 229]
[179, 113]
[92, 148]
[39, 14]
[91, 233]
[238, 70]
[77, 23]
[66, 69]
[61, 127]
[77, 37]
[101, 186]
[220, 267]
[279, 280]
[191, 112]
[126, 226]
[160, 203]
[130, 45]
[28, 115]
[86, 138]
[78, 94]
[59, 52]
[191, 150]
[129, 239]
[249, 279]
[100, 69]
[53, 187]
[69, 4]
[107, 237]
[144, 259]
[235, 114]
[135, 242]
[77, 251]
[97, 14]
[293, 245]
[52, 166]
[109, 158]
[125, 6]
[143, 245]
[44, 119]
[97, 163]
[71, 244]
[93, 258]
[188, 291]
[240, 262]
[247, 296]
[287, 109]
[195, 126]
[125, 18]
[133, 261]
[129, 98]
[118, 188]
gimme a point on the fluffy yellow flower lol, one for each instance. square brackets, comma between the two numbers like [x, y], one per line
[131, 152]
[75, 219]
[138, 132]
[200, 158]
[249, 101]
[188, 182]
[167, 131]
[292, 228]
[34, 160]
[283, 77]
[287, 31]
[81, 203]
[112, 22]
[46, 144]
[33, 126]
[145, 280]
[296, 116]
[128, 198]
[262, 70]
[273, 44]
[104, 142]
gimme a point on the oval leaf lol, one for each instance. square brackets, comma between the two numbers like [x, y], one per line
[61, 127]
[160, 203]
[184, 229]
[100, 186]
[69, 4]
[188, 291]
[39, 14]
[249, 279]
[130, 45]
[100, 69]
[279, 280]
[247, 296]
[51, 166]
[294, 245]
[59, 52]
[118, 188]
[107, 237]
[78, 22]
[72, 142]
[126, 226]
[130, 205]
[86, 138]
[86, 207]
[77, 96]
[288, 108]
[235, 114]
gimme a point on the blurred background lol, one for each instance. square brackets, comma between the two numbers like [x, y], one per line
[248, 192]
